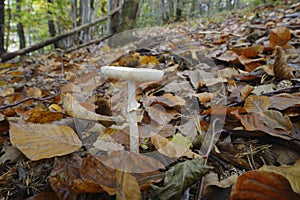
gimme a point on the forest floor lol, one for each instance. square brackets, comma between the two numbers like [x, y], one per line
[224, 118]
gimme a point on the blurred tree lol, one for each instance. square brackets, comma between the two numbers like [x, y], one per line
[20, 28]
[128, 16]
[2, 26]
[51, 26]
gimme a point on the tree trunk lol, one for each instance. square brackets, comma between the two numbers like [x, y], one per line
[165, 16]
[2, 25]
[179, 5]
[51, 26]
[171, 7]
[115, 17]
[208, 8]
[86, 7]
[193, 8]
[127, 19]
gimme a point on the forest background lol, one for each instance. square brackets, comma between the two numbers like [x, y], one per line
[71, 23]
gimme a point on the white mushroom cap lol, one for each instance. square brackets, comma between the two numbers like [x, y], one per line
[132, 74]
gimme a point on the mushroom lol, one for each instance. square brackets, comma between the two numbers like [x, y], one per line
[132, 75]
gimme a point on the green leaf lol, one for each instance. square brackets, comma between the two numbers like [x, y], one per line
[179, 178]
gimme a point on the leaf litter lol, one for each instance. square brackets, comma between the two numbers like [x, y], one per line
[228, 103]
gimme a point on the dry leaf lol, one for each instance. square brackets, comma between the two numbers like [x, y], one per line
[128, 187]
[270, 121]
[44, 195]
[63, 175]
[168, 148]
[74, 109]
[280, 36]
[292, 173]
[281, 69]
[102, 169]
[249, 52]
[257, 104]
[261, 185]
[41, 115]
[245, 91]
[205, 97]
[283, 101]
[38, 141]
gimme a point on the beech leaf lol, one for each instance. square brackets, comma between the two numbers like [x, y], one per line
[257, 185]
[281, 69]
[179, 178]
[38, 141]
[292, 173]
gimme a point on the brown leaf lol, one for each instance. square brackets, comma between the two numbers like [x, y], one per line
[103, 169]
[128, 187]
[249, 52]
[167, 100]
[44, 195]
[283, 101]
[74, 109]
[250, 64]
[160, 114]
[245, 91]
[280, 36]
[281, 69]
[229, 56]
[65, 171]
[205, 97]
[41, 115]
[257, 103]
[38, 141]
[292, 173]
[222, 110]
[270, 121]
[260, 185]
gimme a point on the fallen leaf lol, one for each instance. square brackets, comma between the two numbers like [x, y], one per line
[292, 173]
[168, 148]
[284, 100]
[179, 178]
[61, 178]
[41, 115]
[245, 91]
[258, 185]
[103, 169]
[249, 52]
[257, 103]
[279, 36]
[281, 69]
[128, 187]
[270, 121]
[205, 97]
[38, 141]
[74, 109]
[181, 140]
[261, 89]
[44, 195]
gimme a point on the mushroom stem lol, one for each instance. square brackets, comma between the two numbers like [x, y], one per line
[132, 75]
[132, 119]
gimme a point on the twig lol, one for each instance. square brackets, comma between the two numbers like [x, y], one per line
[206, 155]
[27, 99]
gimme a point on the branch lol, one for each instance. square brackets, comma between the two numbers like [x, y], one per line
[87, 43]
[11, 55]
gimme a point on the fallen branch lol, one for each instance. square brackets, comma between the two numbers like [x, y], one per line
[87, 44]
[11, 55]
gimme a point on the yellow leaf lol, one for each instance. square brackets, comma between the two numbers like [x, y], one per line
[164, 146]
